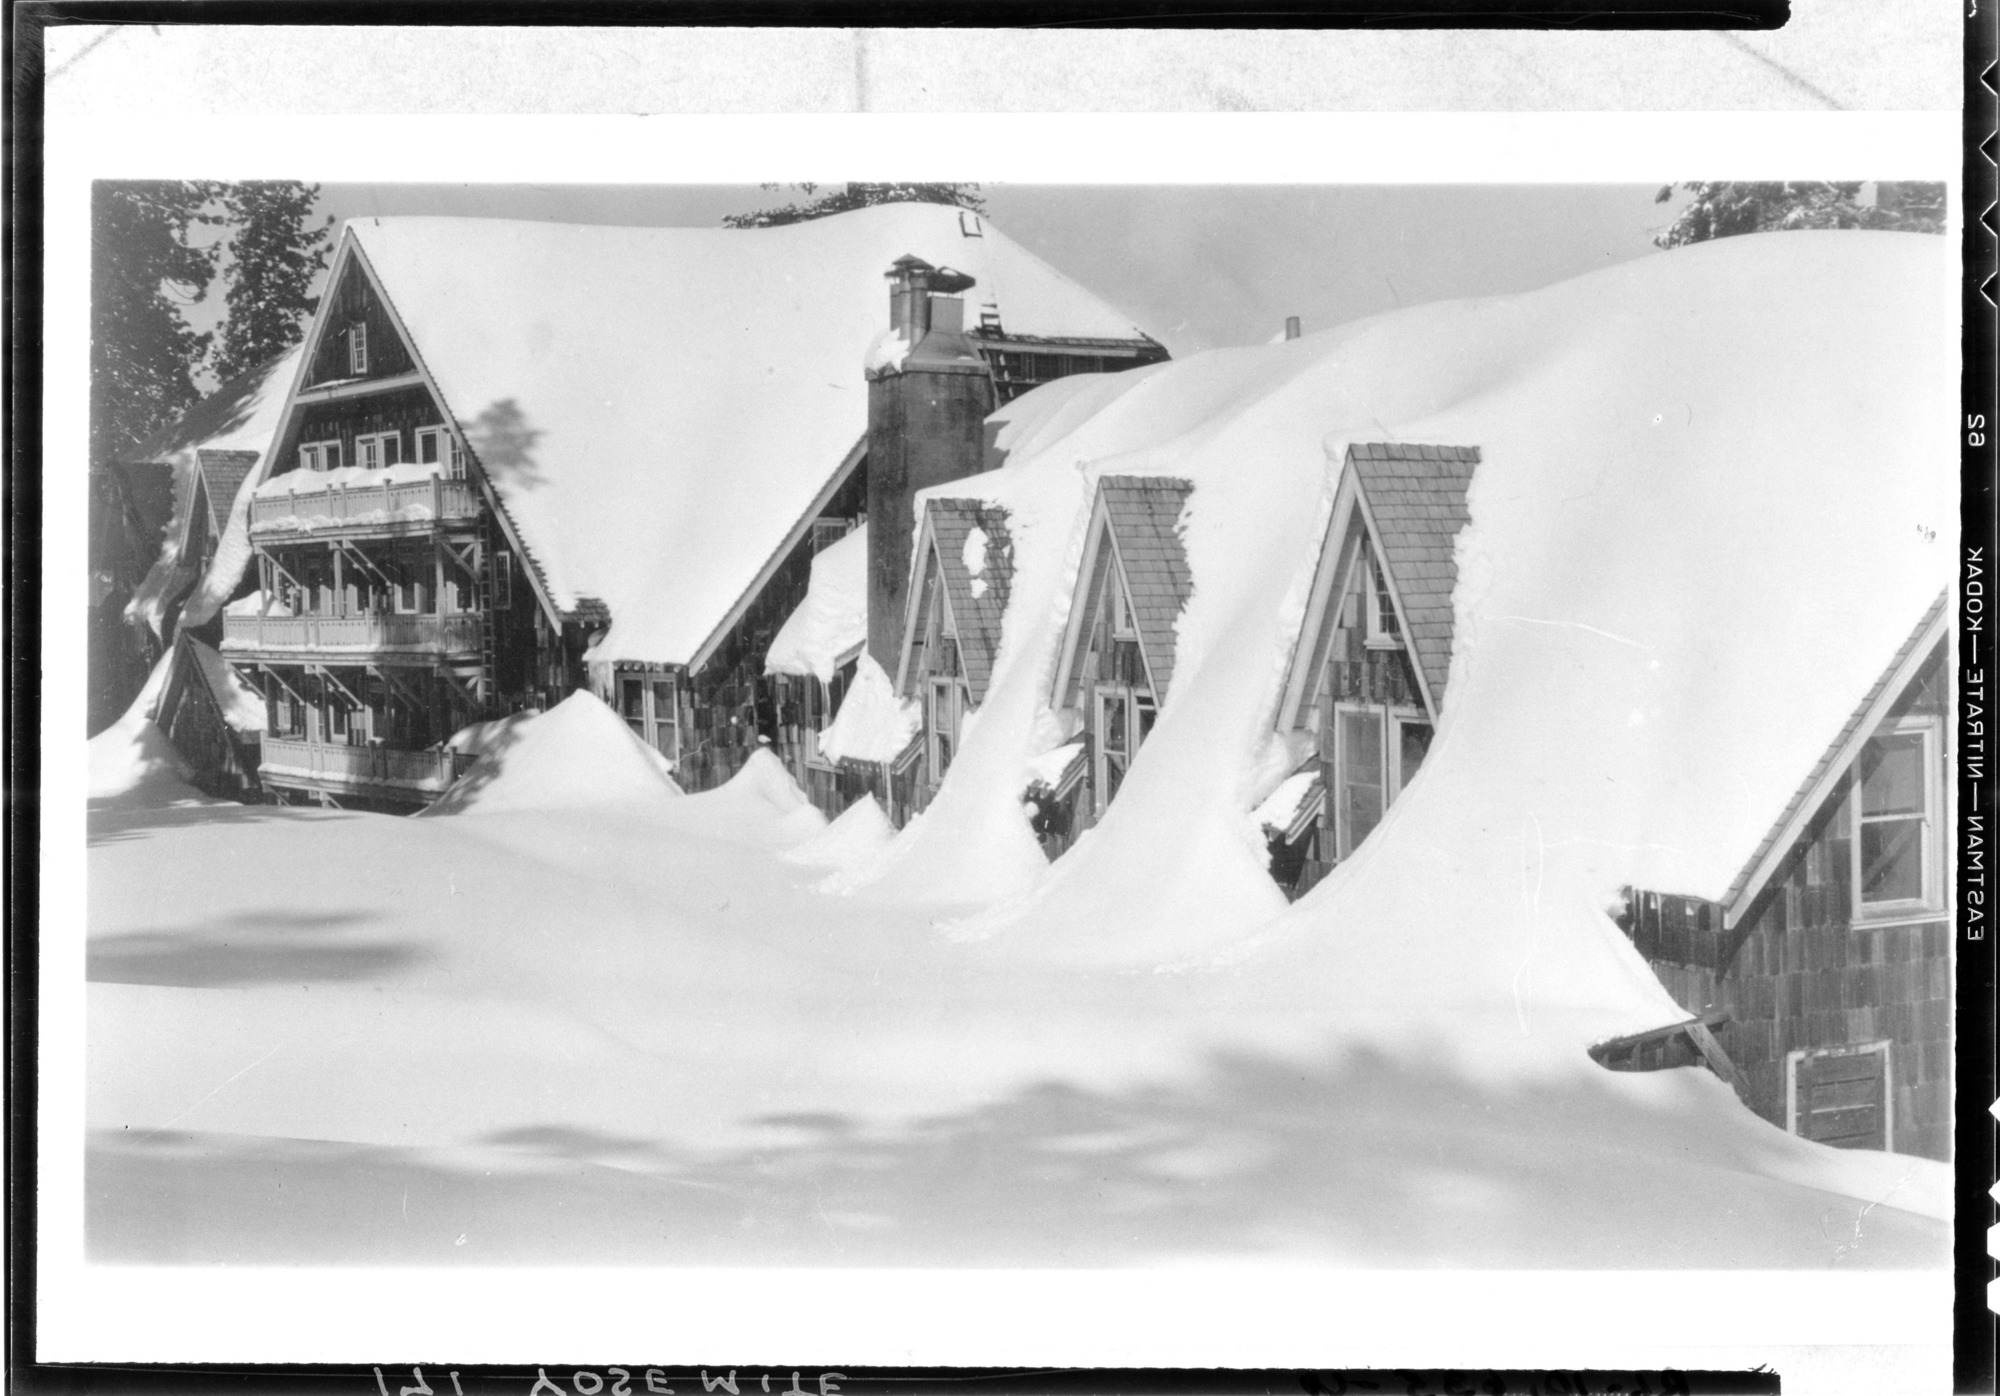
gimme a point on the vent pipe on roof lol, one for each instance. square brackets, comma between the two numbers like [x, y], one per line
[1291, 327]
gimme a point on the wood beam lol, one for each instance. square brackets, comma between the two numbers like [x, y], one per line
[333, 392]
[327, 675]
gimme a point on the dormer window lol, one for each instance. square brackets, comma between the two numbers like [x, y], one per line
[1383, 629]
[357, 349]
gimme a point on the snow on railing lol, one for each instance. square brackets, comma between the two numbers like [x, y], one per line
[433, 634]
[430, 770]
[410, 501]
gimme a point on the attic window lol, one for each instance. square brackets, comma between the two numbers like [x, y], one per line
[1383, 628]
[357, 348]
[1895, 797]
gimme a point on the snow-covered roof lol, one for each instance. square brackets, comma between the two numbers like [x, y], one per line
[831, 622]
[1807, 800]
[1415, 497]
[975, 561]
[658, 407]
[1682, 505]
[214, 450]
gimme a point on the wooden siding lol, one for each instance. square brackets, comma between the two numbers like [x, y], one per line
[354, 302]
[1801, 973]
[402, 410]
[732, 702]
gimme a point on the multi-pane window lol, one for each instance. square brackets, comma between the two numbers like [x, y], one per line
[378, 449]
[1383, 628]
[320, 455]
[1376, 754]
[1123, 720]
[946, 701]
[1894, 801]
[503, 580]
[649, 706]
[357, 348]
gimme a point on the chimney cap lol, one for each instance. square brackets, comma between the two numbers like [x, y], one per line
[914, 269]
[908, 263]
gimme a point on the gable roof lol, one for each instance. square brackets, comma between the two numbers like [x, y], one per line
[976, 612]
[674, 399]
[1142, 512]
[1776, 845]
[1413, 497]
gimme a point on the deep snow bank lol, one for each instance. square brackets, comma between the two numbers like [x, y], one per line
[131, 760]
[1698, 469]
[576, 755]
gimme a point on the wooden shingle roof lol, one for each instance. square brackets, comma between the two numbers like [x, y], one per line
[1143, 513]
[976, 611]
[1416, 497]
[222, 474]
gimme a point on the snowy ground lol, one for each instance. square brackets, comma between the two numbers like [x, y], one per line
[636, 1034]
[579, 1016]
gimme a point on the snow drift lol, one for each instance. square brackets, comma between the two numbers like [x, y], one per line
[132, 761]
[579, 754]
[1698, 468]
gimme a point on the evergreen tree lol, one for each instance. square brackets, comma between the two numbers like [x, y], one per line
[849, 197]
[276, 253]
[1726, 208]
[143, 268]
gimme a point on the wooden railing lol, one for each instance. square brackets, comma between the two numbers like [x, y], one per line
[421, 634]
[432, 770]
[323, 505]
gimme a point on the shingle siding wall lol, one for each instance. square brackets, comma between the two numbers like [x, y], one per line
[1801, 973]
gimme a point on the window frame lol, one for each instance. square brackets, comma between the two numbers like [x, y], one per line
[1383, 628]
[946, 700]
[357, 348]
[1390, 721]
[1930, 902]
[313, 455]
[379, 441]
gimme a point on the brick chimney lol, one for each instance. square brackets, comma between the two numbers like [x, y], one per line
[929, 394]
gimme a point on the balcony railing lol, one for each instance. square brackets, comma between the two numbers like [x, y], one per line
[312, 506]
[357, 636]
[427, 772]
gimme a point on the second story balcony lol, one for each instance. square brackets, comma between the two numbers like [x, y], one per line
[363, 639]
[312, 503]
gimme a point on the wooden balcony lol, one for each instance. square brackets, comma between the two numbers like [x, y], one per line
[314, 507]
[352, 639]
[379, 771]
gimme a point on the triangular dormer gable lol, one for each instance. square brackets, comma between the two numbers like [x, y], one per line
[1831, 773]
[966, 607]
[222, 475]
[1133, 561]
[1396, 517]
[389, 360]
